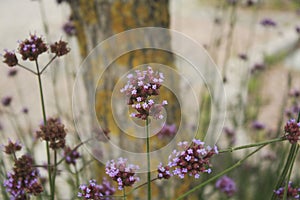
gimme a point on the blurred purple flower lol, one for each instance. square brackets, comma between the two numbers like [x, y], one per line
[231, 134]
[292, 192]
[298, 29]
[12, 72]
[25, 110]
[6, 101]
[69, 28]
[294, 92]
[168, 131]
[258, 125]
[243, 56]
[12, 147]
[226, 185]
[71, 155]
[258, 67]
[267, 22]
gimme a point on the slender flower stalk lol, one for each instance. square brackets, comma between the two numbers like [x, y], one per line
[45, 123]
[288, 165]
[148, 160]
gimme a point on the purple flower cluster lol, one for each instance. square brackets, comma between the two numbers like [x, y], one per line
[257, 125]
[292, 193]
[32, 47]
[226, 185]
[71, 155]
[12, 147]
[23, 180]
[139, 88]
[10, 58]
[95, 191]
[163, 172]
[292, 131]
[121, 172]
[193, 160]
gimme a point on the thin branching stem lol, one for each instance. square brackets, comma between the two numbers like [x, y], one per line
[220, 174]
[27, 69]
[47, 65]
[45, 123]
[148, 160]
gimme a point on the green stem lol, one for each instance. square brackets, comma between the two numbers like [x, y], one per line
[45, 123]
[220, 174]
[142, 185]
[54, 175]
[148, 160]
[76, 176]
[289, 174]
[252, 145]
[288, 165]
[124, 194]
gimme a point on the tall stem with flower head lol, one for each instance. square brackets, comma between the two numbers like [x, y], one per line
[148, 160]
[45, 123]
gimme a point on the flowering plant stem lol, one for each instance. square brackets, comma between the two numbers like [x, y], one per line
[124, 194]
[148, 160]
[287, 168]
[45, 123]
[220, 174]
[252, 145]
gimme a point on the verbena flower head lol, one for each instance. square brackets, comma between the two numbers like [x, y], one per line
[139, 89]
[292, 192]
[60, 48]
[54, 132]
[292, 132]
[226, 185]
[12, 147]
[32, 47]
[193, 160]
[95, 191]
[10, 58]
[163, 172]
[122, 172]
[23, 180]
[71, 155]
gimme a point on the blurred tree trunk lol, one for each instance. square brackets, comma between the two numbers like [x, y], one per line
[97, 20]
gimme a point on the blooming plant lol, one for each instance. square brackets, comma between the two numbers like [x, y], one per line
[193, 169]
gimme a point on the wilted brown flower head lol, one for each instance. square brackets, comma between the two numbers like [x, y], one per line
[10, 58]
[12, 147]
[60, 48]
[54, 132]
